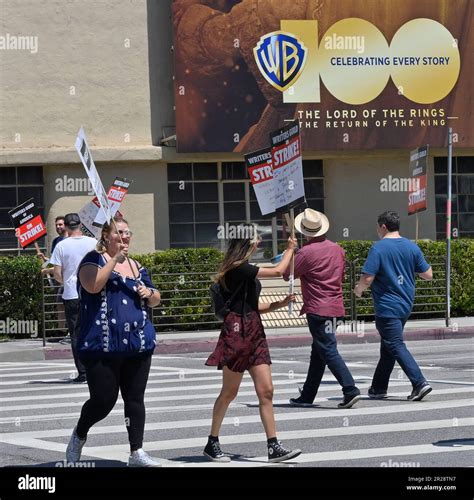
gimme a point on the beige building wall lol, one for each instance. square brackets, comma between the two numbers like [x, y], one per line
[90, 69]
[145, 207]
[354, 198]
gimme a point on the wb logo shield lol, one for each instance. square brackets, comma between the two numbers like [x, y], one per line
[280, 58]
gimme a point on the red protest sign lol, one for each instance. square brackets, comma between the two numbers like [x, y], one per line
[417, 195]
[29, 225]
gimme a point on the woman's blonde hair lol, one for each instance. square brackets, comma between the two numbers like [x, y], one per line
[238, 251]
[106, 230]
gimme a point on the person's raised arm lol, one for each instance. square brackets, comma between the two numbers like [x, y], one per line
[280, 268]
[93, 279]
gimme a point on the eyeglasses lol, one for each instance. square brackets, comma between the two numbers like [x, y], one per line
[125, 233]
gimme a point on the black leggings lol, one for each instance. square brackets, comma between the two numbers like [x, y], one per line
[105, 377]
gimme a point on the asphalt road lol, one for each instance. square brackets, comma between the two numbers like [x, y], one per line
[39, 408]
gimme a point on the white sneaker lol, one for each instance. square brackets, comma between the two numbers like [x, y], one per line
[139, 458]
[74, 448]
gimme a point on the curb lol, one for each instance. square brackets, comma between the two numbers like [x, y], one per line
[207, 346]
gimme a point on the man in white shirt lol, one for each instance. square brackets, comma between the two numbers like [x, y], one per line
[66, 258]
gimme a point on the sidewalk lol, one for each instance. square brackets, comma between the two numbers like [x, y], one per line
[204, 341]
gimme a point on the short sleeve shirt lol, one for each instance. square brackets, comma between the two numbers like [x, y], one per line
[394, 263]
[245, 273]
[68, 253]
[115, 320]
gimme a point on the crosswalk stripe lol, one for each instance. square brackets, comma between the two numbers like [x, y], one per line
[183, 387]
[62, 385]
[247, 419]
[172, 397]
[296, 414]
[168, 372]
[149, 390]
[304, 458]
[180, 398]
[32, 366]
[121, 451]
[405, 451]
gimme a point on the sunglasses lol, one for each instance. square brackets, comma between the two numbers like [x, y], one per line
[125, 233]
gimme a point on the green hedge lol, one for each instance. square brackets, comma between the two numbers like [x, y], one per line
[20, 289]
[462, 273]
[178, 275]
[20, 282]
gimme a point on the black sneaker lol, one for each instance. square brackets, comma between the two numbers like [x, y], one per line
[80, 379]
[376, 395]
[278, 453]
[213, 452]
[349, 401]
[300, 402]
[420, 392]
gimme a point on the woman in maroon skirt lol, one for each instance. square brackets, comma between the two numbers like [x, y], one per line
[242, 344]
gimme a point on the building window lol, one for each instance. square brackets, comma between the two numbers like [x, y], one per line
[17, 185]
[202, 196]
[193, 198]
[462, 219]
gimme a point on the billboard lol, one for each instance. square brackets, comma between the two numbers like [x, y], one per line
[356, 75]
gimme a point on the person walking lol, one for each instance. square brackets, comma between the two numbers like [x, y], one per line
[390, 271]
[242, 343]
[116, 340]
[47, 271]
[66, 257]
[320, 267]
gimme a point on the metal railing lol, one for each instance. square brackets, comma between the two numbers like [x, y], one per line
[186, 304]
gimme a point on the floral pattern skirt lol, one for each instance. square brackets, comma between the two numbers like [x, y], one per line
[242, 343]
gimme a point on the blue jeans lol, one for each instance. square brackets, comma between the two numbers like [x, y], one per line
[324, 352]
[393, 348]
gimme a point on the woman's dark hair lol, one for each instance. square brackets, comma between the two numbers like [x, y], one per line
[238, 251]
[106, 229]
[390, 219]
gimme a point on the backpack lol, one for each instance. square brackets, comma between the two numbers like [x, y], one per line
[220, 306]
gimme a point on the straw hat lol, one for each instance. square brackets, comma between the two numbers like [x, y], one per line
[312, 223]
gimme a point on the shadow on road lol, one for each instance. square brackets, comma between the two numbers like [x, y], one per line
[455, 442]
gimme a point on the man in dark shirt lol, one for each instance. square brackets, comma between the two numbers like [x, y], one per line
[320, 267]
[61, 230]
[390, 270]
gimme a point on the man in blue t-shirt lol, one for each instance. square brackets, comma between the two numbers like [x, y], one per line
[390, 271]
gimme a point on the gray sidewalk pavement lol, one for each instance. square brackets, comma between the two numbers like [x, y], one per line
[204, 341]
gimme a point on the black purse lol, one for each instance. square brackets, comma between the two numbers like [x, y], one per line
[221, 307]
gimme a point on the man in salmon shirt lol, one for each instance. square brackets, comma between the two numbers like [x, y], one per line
[320, 267]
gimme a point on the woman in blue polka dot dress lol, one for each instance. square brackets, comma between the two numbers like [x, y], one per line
[116, 340]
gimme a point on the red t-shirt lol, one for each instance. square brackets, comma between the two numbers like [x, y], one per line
[320, 267]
